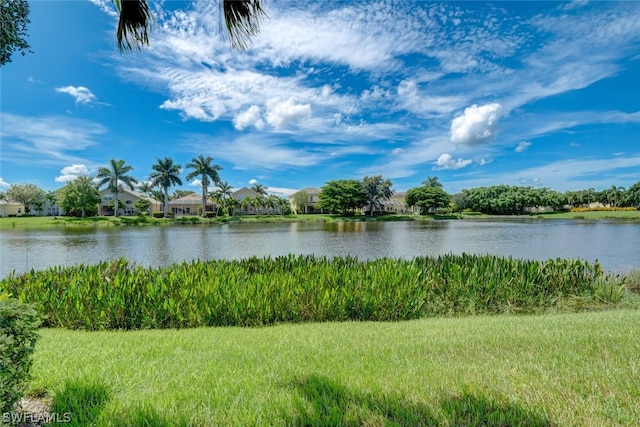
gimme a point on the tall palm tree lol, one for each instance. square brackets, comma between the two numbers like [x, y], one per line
[433, 182]
[113, 175]
[145, 187]
[165, 174]
[260, 189]
[207, 172]
[225, 191]
[241, 17]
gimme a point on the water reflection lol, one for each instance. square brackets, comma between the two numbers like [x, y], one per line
[614, 244]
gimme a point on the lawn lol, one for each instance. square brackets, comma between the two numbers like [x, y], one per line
[552, 369]
[593, 215]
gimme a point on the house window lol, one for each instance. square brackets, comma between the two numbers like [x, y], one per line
[128, 202]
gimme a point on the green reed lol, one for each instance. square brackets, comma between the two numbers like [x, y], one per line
[259, 291]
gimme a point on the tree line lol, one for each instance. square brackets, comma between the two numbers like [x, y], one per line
[343, 196]
[81, 196]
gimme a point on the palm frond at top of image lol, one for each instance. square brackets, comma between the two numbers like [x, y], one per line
[242, 19]
[133, 25]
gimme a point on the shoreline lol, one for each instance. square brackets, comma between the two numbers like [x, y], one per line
[27, 222]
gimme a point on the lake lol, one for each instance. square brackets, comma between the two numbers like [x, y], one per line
[615, 244]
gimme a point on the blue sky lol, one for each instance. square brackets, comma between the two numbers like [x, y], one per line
[519, 93]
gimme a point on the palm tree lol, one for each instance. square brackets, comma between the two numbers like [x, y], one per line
[51, 199]
[113, 175]
[207, 172]
[225, 190]
[165, 174]
[433, 182]
[260, 189]
[241, 17]
[215, 197]
[246, 202]
[145, 188]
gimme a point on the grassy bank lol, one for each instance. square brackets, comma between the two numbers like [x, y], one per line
[593, 215]
[570, 369]
[26, 222]
[261, 291]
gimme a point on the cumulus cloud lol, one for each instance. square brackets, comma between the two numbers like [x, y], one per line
[72, 172]
[283, 114]
[477, 125]
[251, 117]
[80, 93]
[253, 181]
[195, 183]
[3, 183]
[445, 161]
[522, 146]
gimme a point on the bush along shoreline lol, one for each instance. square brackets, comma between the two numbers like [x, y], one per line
[288, 289]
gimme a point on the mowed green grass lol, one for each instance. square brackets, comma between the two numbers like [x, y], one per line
[593, 215]
[554, 369]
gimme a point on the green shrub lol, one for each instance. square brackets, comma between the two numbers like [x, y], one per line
[18, 335]
[158, 214]
[260, 291]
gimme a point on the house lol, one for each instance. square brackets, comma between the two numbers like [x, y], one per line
[311, 205]
[126, 201]
[396, 203]
[245, 209]
[8, 208]
[191, 204]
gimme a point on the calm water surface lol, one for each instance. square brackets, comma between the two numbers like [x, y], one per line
[615, 244]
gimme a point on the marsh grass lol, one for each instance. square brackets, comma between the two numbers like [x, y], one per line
[295, 288]
[569, 369]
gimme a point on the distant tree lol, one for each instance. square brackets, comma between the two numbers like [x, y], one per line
[26, 194]
[216, 198]
[232, 205]
[145, 187]
[432, 181]
[81, 196]
[246, 203]
[376, 190]
[260, 189]
[631, 196]
[343, 196]
[614, 195]
[299, 200]
[14, 17]
[142, 206]
[113, 175]
[460, 201]
[427, 198]
[165, 174]
[225, 192]
[207, 173]
[181, 193]
[51, 199]
[3, 195]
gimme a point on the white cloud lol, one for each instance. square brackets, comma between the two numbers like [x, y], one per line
[251, 117]
[258, 151]
[3, 183]
[69, 173]
[523, 145]
[253, 182]
[445, 161]
[284, 114]
[106, 6]
[196, 183]
[477, 125]
[50, 139]
[80, 93]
